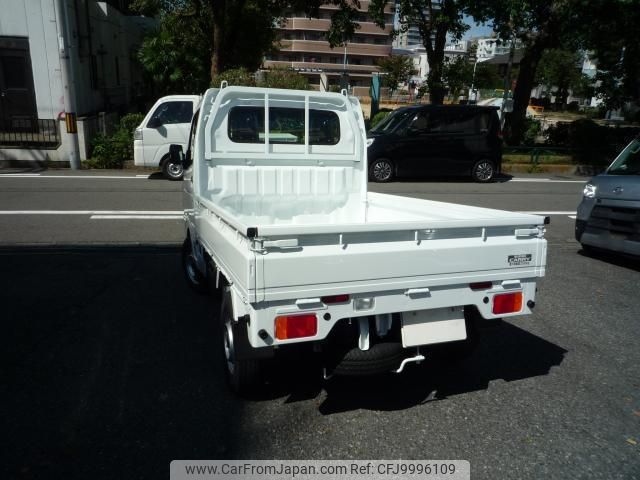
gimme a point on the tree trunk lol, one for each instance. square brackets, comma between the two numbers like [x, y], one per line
[218, 50]
[522, 93]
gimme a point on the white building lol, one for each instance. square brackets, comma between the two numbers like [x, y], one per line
[419, 56]
[493, 47]
[105, 76]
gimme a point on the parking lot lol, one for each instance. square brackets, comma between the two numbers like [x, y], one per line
[112, 365]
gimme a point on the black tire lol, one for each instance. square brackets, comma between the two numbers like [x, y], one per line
[243, 376]
[381, 170]
[380, 358]
[171, 171]
[483, 171]
[588, 249]
[195, 279]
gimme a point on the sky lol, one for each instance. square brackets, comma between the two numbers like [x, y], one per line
[476, 30]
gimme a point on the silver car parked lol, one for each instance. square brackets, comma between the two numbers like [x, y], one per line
[609, 215]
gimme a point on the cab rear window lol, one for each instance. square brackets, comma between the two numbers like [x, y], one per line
[286, 126]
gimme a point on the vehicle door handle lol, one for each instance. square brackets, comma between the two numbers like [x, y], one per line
[418, 291]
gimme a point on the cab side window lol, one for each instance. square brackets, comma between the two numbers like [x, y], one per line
[170, 113]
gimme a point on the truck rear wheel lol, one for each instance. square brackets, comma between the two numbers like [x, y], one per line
[243, 375]
[195, 279]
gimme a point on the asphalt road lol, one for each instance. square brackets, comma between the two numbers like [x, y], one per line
[111, 366]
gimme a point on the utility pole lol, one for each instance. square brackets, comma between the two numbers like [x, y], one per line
[67, 67]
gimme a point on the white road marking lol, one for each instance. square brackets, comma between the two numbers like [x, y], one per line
[92, 212]
[90, 177]
[547, 212]
[136, 217]
[20, 175]
[544, 180]
[142, 176]
[572, 217]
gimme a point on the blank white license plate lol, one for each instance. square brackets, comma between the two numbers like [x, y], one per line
[437, 325]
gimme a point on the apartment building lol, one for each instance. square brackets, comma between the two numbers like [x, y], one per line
[302, 46]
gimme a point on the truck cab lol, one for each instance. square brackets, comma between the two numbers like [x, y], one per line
[167, 122]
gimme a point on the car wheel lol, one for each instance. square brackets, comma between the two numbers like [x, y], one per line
[381, 170]
[172, 171]
[195, 279]
[244, 376]
[483, 171]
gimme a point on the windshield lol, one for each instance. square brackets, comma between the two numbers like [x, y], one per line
[628, 162]
[391, 121]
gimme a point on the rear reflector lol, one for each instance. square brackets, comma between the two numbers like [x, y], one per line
[335, 299]
[480, 285]
[296, 326]
[507, 303]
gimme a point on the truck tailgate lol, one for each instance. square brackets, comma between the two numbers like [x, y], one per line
[351, 263]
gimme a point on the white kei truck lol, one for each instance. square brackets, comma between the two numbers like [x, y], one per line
[279, 219]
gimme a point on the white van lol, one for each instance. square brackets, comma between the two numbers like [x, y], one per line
[167, 122]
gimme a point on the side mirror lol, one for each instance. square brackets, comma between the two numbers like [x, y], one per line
[154, 123]
[412, 132]
[176, 155]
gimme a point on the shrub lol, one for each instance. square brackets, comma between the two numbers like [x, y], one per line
[378, 117]
[283, 78]
[236, 77]
[533, 129]
[112, 151]
[591, 144]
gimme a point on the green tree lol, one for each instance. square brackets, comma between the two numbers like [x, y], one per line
[436, 20]
[540, 25]
[561, 69]
[610, 33]
[398, 69]
[457, 74]
[217, 35]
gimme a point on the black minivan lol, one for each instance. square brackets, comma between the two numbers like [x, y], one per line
[442, 140]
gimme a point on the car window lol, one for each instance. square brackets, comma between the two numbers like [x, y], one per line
[169, 113]
[452, 121]
[628, 162]
[286, 126]
[391, 121]
[419, 122]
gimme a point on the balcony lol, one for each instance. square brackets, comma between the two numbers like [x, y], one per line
[312, 46]
[322, 67]
[322, 25]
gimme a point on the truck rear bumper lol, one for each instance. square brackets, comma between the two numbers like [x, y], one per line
[261, 317]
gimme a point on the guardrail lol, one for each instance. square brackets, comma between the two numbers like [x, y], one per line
[33, 133]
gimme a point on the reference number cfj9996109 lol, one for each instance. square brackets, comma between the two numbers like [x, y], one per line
[411, 468]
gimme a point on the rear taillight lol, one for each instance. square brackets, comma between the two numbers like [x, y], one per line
[335, 299]
[296, 326]
[507, 303]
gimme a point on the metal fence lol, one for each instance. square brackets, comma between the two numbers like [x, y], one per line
[30, 132]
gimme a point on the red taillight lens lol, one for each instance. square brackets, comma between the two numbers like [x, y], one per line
[480, 285]
[507, 303]
[296, 326]
[335, 299]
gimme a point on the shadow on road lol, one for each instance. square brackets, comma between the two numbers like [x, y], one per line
[109, 365]
[613, 258]
[506, 353]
